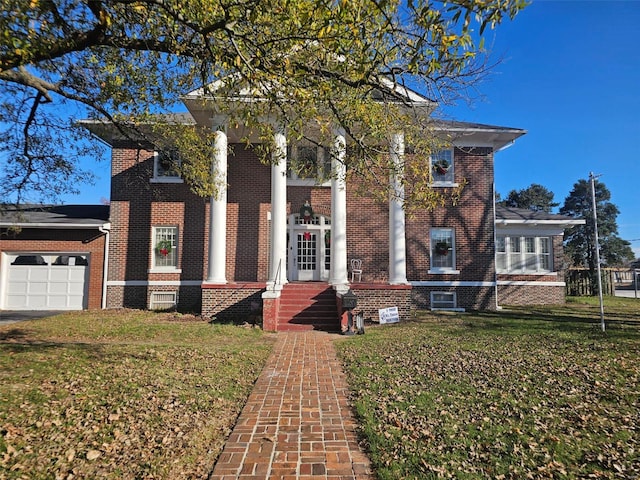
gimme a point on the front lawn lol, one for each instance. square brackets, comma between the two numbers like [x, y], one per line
[121, 395]
[522, 393]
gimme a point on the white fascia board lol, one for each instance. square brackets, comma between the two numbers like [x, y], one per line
[105, 226]
[537, 229]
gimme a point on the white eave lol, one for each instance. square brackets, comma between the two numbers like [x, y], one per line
[477, 135]
[58, 226]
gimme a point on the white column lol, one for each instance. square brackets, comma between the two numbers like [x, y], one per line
[397, 246]
[338, 276]
[278, 254]
[218, 211]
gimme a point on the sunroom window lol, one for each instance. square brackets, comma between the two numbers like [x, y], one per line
[442, 167]
[523, 254]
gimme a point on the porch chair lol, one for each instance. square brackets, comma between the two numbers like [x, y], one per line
[356, 269]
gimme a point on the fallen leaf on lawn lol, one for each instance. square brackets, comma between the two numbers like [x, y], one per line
[93, 454]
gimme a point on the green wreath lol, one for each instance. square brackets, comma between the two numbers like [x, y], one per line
[442, 248]
[164, 247]
[441, 166]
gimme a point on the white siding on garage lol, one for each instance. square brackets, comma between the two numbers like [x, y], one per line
[37, 281]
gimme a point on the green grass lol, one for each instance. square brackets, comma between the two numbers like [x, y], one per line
[521, 393]
[121, 394]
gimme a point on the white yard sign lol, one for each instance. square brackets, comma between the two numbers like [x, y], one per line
[389, 315]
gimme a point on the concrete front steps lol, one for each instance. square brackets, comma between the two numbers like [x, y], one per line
[308, 306]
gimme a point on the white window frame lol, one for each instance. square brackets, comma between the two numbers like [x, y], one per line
[454, 302]
[514, 254]
[446, 179]
[322, 163]
[156, 231]
[168, 176]
[437, 235]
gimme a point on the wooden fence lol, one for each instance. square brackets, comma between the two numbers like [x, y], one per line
[579, 283]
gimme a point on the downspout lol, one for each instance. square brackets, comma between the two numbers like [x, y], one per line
[106, 229]
[495, 239]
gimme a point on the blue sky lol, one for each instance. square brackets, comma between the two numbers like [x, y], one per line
[569, 74]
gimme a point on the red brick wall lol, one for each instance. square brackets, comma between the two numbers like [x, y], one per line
[371, 299]
[538, 294]
[89, 241]
[137, 204]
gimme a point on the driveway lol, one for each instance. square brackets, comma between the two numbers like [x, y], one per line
[627, 293]
[13, 316]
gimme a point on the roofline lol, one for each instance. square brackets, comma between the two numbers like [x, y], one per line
[541, 222]
[105, 226]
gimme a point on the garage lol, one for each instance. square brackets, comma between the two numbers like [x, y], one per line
[39, 281]
[53, 257]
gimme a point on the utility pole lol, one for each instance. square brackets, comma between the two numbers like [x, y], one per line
[592, 177]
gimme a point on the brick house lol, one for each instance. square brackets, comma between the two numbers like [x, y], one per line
[272, 242]
[280, 245]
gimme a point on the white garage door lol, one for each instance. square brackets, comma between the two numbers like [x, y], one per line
[39, 281]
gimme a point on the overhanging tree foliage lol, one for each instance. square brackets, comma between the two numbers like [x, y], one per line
[579, 239]
[312, 62]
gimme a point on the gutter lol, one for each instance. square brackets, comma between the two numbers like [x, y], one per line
[106, 229]
[50, 225]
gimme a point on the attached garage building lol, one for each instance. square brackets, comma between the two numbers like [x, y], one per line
[53, 257]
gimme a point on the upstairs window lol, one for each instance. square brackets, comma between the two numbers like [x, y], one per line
[165, 166]
[516, 254]
[443, 258]
[442, 167]
[308, 162]
[165, 248]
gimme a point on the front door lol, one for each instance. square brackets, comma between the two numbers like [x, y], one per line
[306, 255]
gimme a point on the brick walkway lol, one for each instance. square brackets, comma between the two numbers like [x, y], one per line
[297, 423]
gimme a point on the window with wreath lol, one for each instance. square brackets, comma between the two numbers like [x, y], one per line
[442, 244]
[165, 166]
[165, 247]
[442, 167]
[523, 254]
[308, 162]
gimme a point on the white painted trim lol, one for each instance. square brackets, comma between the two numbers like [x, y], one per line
[430, 283]
[154, 283]
[443, 271]
[164, 270]
[527, 273]
[56, 225]
[445, 184]
[532, 283]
